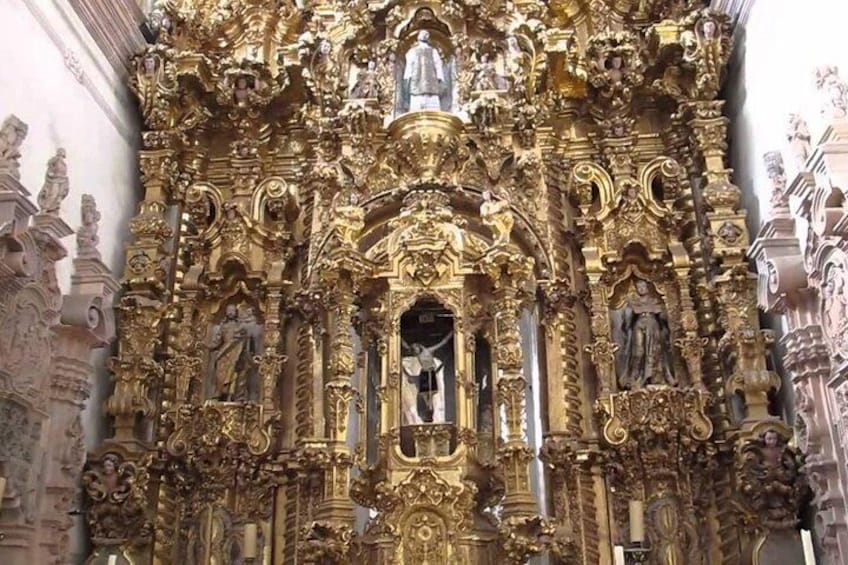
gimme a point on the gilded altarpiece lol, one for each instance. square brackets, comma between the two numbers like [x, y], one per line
[351, 208]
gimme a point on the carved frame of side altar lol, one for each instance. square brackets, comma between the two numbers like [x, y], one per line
[46, 344]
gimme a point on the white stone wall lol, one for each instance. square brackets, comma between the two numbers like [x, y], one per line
[55, 79]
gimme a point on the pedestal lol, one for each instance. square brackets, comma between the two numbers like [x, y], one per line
[431, 440]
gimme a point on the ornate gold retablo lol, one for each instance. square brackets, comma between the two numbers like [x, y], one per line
[416, 244]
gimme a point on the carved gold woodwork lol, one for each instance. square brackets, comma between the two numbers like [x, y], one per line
[344, 323]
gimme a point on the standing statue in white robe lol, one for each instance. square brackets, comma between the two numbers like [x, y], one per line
[423, 388]
[424, 75]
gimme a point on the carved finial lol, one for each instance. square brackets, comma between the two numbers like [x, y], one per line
[833, 91]
[87, 238]
[55, 187]
[774, 168]
[798, 136]
[12, 135]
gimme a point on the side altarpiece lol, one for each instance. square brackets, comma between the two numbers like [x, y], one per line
[353, 213]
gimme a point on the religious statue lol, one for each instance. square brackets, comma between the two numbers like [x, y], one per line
[348, 217]
[73, 450]
[771, 482]
[710, 46]
[367, 85]
[12, 135]
[241, 90]
[798, 135]
[87, 238]
[324, 73]
[517, 63]
[424, 80]
[835, 306]
[646, 347]
[709, 29]
[232, 345]
[55, 187]
[115, 509]
[158, 19]
[485, 75]
[109, 477]
[834, 92]
[424, 386]
[497, 216]
[149, 66]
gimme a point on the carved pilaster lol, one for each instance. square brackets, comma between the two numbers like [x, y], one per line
[509, 272]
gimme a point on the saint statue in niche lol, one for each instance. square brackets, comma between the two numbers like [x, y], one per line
[426, 80]
[486, 74]
[367, 83]
[426, 365]
[644, 355]
[232, 345]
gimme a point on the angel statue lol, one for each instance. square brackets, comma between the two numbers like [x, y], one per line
[114, 509]
[646, 345]
[486, 74]
[423, 388]
[497, 216]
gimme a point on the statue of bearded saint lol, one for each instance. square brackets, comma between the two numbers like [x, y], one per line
[232, 345]
[423, 389]
[646, 345]
[424, 81]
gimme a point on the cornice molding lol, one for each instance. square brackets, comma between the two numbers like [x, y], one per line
[738, 10]
[94, 56]
[115, 27]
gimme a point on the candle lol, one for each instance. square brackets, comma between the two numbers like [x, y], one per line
[2, 489]
[618, 555]
[250, 541]
[637, 521]
[809, 552]
[113, 559]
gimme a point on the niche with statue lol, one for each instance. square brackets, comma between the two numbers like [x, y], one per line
[428, 377]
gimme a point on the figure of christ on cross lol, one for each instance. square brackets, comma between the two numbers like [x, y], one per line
[424, 386]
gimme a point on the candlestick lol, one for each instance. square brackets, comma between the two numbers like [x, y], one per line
[250, 541]
[618, 555]
[637, 521]
[636, 555]
[807, 543]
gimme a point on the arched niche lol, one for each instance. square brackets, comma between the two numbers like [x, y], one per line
[232, 341]
[425, 26]
[428, 369]
[640, 326]
[484, 399]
